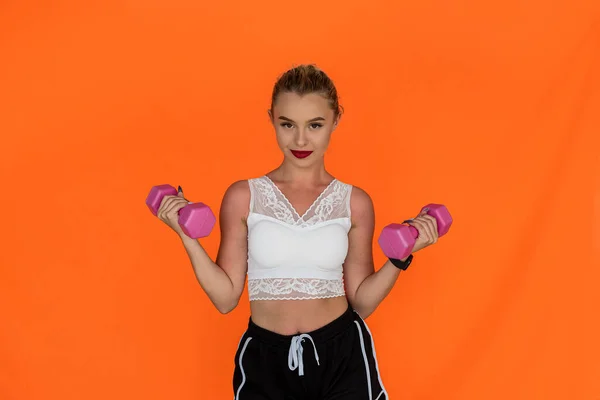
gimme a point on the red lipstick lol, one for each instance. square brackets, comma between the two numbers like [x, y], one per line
[301, 153]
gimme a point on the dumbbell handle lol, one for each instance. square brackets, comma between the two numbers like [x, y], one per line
[397, 240]
[442, 217]
[195, 219]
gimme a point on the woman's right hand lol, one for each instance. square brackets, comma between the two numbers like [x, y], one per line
[168, 212]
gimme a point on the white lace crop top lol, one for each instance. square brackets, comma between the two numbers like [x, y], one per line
[292, 256]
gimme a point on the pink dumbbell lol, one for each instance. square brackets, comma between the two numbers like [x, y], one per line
[398, 240]
[196, 219]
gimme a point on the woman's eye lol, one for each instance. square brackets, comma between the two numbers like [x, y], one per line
[289, 125]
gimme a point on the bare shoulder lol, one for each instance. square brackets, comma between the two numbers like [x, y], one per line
[236, 200]
[360, 201]
[239, 188]
[361, 208]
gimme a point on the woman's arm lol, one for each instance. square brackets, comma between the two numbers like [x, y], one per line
[366, 288]
[223, 280]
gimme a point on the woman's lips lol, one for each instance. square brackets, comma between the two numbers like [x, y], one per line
[301, 153]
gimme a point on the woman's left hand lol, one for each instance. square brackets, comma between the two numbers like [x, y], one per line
[427, 227]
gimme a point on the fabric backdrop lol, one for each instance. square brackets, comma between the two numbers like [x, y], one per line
[492, 108]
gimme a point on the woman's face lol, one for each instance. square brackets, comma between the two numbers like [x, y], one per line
[303, 126]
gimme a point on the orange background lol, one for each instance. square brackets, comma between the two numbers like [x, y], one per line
[492, 108]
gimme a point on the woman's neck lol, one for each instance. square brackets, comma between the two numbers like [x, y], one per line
[291, 174]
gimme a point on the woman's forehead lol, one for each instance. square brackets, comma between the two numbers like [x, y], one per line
[303, 107]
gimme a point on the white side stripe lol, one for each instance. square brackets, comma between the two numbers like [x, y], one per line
[367, 369]
[240, 341]
[383, 391]
[237, 395]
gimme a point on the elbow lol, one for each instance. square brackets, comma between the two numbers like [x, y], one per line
[355, 307]
[362, 309]
[364, 312]
[227, 307]
[225, 310]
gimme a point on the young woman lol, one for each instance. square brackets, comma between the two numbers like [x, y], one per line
[304, 239]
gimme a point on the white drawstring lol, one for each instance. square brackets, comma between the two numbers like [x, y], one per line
[295, 353]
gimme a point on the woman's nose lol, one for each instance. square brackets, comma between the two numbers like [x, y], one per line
[301, 138]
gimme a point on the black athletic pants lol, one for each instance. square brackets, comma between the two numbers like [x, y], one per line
[335, 362]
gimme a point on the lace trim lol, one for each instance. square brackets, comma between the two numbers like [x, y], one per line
[273, 200]
[327, 205]
[303, 297]
[294, 288]
[269, 201]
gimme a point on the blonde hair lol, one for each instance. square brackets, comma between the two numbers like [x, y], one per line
[304, 79]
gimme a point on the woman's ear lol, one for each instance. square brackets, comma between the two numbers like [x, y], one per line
[270, 115]
[336, 122]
